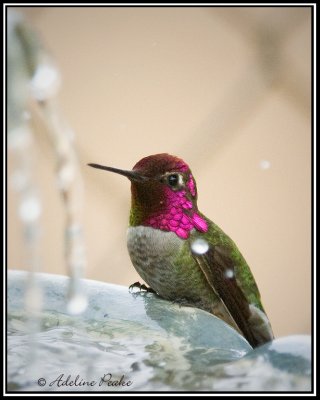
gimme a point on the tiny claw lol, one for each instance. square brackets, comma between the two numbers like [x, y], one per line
[135, 285]
[141, 287]
[147, 289]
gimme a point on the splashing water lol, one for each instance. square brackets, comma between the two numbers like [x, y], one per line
[77, 304]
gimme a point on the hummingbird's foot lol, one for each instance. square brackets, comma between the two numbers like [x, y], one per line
[141, 286]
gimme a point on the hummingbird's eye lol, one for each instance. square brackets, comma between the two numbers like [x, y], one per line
[173, 180]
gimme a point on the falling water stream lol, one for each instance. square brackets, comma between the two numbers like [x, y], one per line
[34, 79]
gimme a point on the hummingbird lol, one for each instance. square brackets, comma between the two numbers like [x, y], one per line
[181, 254]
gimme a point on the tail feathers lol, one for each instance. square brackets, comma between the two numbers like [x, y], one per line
[260, 326]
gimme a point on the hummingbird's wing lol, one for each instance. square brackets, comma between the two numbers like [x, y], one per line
[218, 268]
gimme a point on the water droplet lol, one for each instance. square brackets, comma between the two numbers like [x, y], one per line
[229, 273]
[199, 246]
[45, 82]
[66, 176]
[74, 231]
[19, 138]
[77, 304]
[265, 164]
[30, 209]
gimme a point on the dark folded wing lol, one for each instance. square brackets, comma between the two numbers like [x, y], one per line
[218, 268]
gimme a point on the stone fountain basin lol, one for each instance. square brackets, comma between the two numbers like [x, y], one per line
[138, 342]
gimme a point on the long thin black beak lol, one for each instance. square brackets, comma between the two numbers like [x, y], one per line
[132, 175]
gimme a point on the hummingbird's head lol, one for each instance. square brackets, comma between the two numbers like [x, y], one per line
[164, 194]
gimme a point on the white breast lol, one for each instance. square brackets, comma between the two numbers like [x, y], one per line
[143, 238]
[152, 253]
[162, 261]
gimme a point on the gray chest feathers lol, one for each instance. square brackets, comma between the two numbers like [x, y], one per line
[164, 262]
[153, 253]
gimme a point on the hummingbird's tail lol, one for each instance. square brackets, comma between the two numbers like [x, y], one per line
[260, 327]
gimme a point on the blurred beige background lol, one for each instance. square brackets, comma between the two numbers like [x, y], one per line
[226, 89]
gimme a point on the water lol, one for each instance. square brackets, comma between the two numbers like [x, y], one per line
[139, 338]
[155, 344]
[87, 350]
[146, 361]
[33, 78]
[264, 164]
[199, 246]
